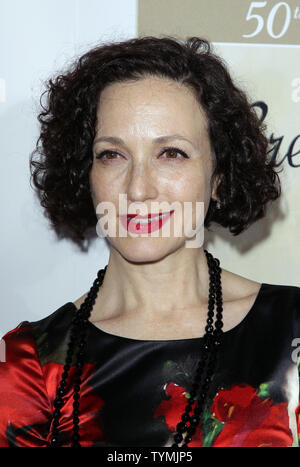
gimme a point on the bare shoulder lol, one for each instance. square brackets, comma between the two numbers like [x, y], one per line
[239, 296]
[236, 287]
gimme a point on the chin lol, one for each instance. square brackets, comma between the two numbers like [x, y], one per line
[145, 250]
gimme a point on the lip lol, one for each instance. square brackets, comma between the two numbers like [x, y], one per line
[149, 216]
[147, 227]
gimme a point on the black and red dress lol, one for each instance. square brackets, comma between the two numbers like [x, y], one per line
[134, 391]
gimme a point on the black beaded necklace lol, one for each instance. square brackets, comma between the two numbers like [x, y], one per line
[211, 341]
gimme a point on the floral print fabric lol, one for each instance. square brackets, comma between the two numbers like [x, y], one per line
[134, 392]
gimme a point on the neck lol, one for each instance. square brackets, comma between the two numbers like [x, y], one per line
[154, 290]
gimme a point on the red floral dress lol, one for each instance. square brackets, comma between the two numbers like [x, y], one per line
[134, 391]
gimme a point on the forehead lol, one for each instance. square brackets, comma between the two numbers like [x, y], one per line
[151, 101]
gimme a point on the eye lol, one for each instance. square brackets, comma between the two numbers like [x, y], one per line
[174, 152]
[107, 153]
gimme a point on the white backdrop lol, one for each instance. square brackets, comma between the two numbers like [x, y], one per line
[40, 273]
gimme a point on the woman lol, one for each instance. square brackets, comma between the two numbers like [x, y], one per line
[146, 361]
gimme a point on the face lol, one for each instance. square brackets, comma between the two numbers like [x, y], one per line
[135, 155]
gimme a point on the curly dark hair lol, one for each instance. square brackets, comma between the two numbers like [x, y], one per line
[62, 159]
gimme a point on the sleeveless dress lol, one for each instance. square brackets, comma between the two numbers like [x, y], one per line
[133, 391]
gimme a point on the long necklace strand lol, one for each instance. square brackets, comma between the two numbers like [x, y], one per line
[211, 342]
[78, 328]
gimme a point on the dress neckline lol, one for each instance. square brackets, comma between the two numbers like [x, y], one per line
[235, 328]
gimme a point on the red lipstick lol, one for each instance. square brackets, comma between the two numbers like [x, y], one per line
[135, 223]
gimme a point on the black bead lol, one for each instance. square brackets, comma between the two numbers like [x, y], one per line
[178, 438]
[73, 339]
[185, 417]
[68, 363]
[188, 408]
[56, 413]
[58, 403]
[191, 430]
[181, 427]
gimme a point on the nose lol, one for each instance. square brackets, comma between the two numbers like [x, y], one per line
[142, 184]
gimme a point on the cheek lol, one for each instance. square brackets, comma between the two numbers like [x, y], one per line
[189, 189]
[101, 188]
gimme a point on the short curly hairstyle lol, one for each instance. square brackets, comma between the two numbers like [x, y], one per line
[62, 159]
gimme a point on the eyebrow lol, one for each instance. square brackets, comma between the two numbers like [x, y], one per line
[158, 140]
